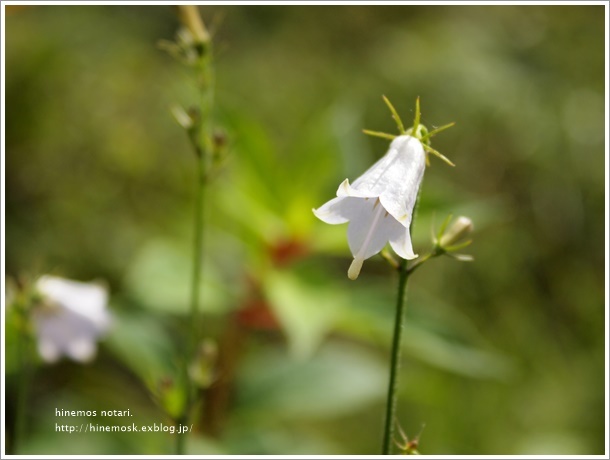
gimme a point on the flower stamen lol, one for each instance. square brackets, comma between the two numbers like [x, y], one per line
[354, 269]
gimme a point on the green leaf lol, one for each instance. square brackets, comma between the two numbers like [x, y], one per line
[455, 357]
[160, 278]
[338, 380]
[142, 344]
[307, 311]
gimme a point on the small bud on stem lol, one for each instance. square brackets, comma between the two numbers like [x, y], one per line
[189, 16]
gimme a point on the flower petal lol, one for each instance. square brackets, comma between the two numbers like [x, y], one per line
[371, 229]
[81, 349]
[339, 210]
[402, 245]
[395, 178]
[70, 319]
[346, 190]
[330, 212]
[48, 351]
[86, 299]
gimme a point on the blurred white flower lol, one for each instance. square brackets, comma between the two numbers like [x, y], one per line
[379, 204]
[70, 318]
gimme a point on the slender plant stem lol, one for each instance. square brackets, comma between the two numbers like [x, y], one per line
[200, 140]
[22, 391]
[195, 296]
[405, 273]
[420, 261]
[180, 438]
[195, 332]
[390, 412]
[197, 255]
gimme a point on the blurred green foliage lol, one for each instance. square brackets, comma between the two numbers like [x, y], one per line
[504, 355]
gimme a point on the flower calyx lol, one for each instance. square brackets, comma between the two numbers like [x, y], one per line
[418, 131]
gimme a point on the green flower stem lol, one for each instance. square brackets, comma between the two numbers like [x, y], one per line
[421, 260]
[195, 296]
[199, 135]
[197, 256]
[390, 413]
[405, 273]
[25, 356]
[180, 438]
[392, 399]
[24, 379]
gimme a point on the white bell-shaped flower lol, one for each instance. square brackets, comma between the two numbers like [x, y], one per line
[70, 318]
[379, 204]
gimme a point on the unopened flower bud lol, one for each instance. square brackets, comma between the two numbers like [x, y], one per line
[457, 232]
[189, 16]
[202, 368]
[184, 119]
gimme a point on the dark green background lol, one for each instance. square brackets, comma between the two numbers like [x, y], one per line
[504, 355]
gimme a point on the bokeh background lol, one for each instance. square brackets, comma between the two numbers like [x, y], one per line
[504, 355]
